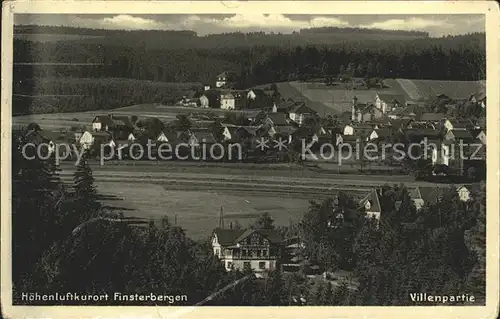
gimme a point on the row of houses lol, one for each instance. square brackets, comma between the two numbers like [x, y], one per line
[264, 250]
[228, 99]
[420, 197]
[397, 106]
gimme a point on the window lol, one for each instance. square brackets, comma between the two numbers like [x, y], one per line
[217, 252]
[246, 265]
[244, 253]
[262, 265]
[264, 253]
[229, 265]
[258, 253]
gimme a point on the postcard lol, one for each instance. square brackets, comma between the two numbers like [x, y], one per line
[281, 159]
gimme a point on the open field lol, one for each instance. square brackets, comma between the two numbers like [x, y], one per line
[198, 210]
[55, 121]
[329, 100]
[195, 195]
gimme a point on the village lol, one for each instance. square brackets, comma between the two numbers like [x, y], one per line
[254, 117]
[237, 159]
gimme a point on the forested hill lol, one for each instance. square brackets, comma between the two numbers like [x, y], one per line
[159, 39]
[336, 30]
[448, 58]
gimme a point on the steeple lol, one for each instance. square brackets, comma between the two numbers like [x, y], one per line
[221, 218]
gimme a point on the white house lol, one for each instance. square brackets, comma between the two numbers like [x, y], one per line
[222, 79]
[204, 103]
[227, 101]
[348, 130]
[162, 138]
[371, 205]
[131, 137]
[101, 123]
[441, 154]
[389, 102]
[251, 95]
[463, 193]
[299, 112]
[228, 132]
[86, 140]
[256, 249]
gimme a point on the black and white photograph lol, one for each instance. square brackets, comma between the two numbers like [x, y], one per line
[250, 157]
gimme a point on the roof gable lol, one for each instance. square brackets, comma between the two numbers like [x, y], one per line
[374, 201]
[227, 236]
[391, 98]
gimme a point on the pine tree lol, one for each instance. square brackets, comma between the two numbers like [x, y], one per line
[86, 203]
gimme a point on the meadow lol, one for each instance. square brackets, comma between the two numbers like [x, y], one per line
[198, 211]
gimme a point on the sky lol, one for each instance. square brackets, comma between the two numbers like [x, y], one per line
[435, 25]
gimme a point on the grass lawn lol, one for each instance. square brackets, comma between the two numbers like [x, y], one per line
[198, 211]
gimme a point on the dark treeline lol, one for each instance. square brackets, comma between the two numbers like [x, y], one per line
[169, 39]
[46, 29]
[450, 58]
[88, 94]
[330, 30]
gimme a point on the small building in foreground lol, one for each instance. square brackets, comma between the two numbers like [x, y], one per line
[258, 249]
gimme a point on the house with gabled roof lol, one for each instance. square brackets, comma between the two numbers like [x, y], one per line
[387, 102]
[422, 195]
[416, 198]
[227, 101]
[224, 79]
[158, 136]
[405, 113]
[256, 249]
[430, 195]
[370, 205]
[88, 139]
[247, 131]
[381, 135]
[101, 123]
[229, 132]
[276, 119]
[479, 97]
[367, 113]
[299, 112]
